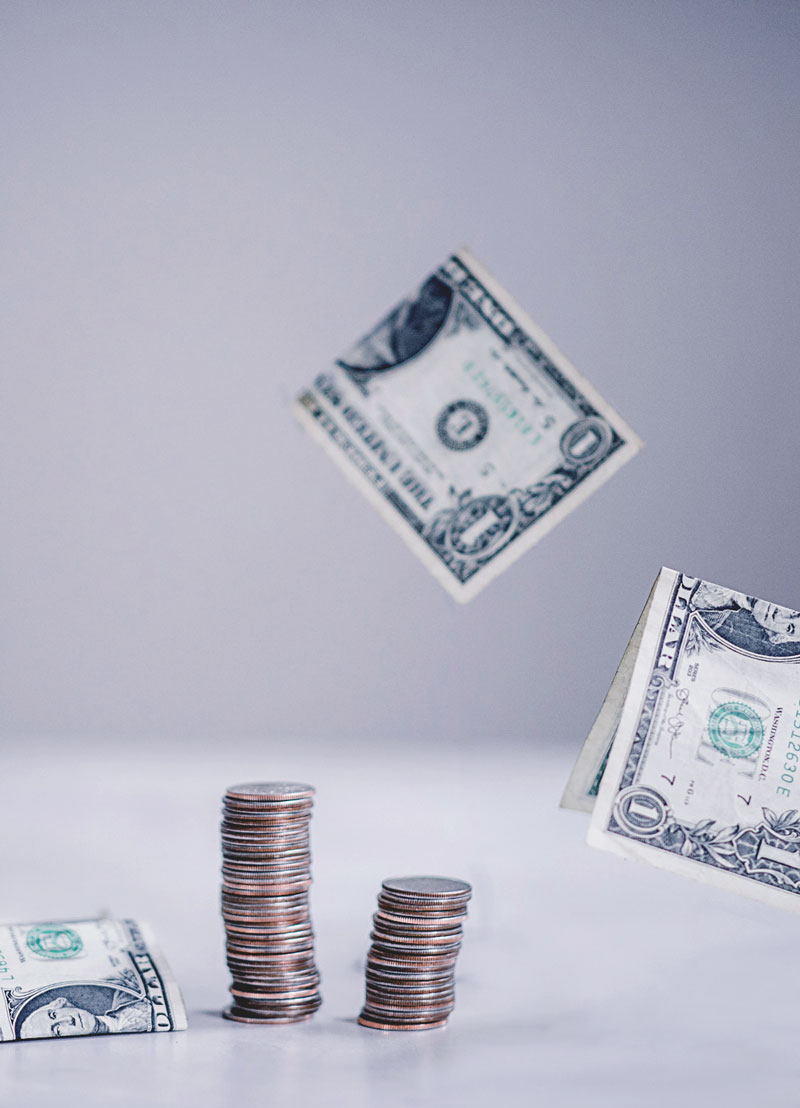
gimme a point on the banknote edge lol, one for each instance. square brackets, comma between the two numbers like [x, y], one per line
[177, 1006]
[597, 747]
[631, 709]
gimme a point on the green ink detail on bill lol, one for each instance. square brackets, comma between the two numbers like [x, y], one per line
[736, 729]
[54, 942]
[595, 786]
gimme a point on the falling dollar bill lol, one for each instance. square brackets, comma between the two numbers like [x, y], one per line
[88, 977]
[694, 761]
[465, 426]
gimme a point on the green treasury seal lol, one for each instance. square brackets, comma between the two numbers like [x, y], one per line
[736, 729]
[54, 941]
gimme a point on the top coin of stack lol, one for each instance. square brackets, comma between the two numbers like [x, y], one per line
[266, 876]
[416, 937]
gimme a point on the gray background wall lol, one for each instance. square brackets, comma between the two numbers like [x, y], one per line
[202, 203]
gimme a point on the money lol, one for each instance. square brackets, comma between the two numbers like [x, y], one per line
[693, 764]
[464, 426]
[266, 875]
[84, 977]
[416, 937]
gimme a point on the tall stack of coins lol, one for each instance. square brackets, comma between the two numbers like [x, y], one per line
[266, 876]
[411, 963]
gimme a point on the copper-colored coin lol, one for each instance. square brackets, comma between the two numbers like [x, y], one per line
[293, 984]
[263, 859]
[260, 893]
[406, 1015]
[390, 950]
[440, 942]
[262, 850]
[411, 983]
[278, 982]
[275, 1007]
[274, 903]
[240, 803]
[263, 916]
[266, 805]
[254, 921]
[296, 899]
[267, 825]
[238, 1015]
[410, 1000]
[453, 930]
[268, 928]
[276, 888]
[272, 994]
[286, 874]
[423, 1025]
[266, 831]
[403, 974]
[392, 917]
[259, 877]
[272, 961]
[266, 882]
[422, 962]
[434, 903]
[237, 843]
[260, 910]
[285, 957]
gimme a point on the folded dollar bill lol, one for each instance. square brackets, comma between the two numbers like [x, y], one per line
[84, 977]
[693, 763]
[465, 426]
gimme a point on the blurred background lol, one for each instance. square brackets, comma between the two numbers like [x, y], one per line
[201, 204]
[204, 203]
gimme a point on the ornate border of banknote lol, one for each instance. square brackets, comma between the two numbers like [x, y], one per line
[465, 426]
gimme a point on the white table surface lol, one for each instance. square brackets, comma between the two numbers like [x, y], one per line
[582, 979]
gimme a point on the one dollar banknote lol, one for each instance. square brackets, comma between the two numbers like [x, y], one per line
[465, 426]
[84, 977]
[693, 763]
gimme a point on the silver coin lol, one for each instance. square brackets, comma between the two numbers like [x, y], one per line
[427, 886]
[280, 789]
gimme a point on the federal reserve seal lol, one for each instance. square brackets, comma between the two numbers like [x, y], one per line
[736, 729]
[55, 941]
[462, 424]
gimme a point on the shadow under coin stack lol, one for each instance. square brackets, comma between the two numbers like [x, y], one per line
[266, 876]
[410, 975]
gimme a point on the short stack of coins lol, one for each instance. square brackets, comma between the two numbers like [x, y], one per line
[266, 875]
[416, 937]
